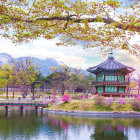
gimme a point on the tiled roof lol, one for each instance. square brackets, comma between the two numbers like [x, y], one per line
[110, 64]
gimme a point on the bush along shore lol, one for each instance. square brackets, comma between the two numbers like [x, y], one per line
[98, 104]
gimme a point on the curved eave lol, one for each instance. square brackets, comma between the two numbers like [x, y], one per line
[128, 69]
[99, 69]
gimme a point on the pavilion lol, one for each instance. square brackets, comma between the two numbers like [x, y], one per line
[112, 77]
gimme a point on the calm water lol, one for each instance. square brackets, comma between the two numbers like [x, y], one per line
[33, 126]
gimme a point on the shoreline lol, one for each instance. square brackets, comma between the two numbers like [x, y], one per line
[113, 114]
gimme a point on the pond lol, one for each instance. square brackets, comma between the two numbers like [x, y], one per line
[37, 126]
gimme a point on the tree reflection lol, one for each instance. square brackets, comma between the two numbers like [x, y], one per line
[30, 125]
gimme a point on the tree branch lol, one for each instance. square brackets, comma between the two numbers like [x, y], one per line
[79, 20]
[89, 20]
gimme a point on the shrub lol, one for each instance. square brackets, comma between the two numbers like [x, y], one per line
[76, 97]
[48, 92]
[121, 102]
[1, 92]
[53, 97]
[84, 97]
[138, 97]
[99, 100]
[109, 102]
[66, 98]
[135, 104]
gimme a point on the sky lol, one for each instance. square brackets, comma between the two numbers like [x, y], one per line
[74, 56]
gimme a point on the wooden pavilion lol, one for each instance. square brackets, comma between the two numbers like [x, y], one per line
[112, 77]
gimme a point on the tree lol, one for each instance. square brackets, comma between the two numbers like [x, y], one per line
[28, 75]
[13, 77]
[59, 78]
[33, 77]
[96, 23]
[138, 81]
[43, 81]
[4, 78]
[8, 77]
[82, 83]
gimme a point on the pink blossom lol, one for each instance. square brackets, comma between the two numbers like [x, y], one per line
[109, 102]
[138, 97]
[53, 97]
[122, 101]
[121, 128]
[66, 98]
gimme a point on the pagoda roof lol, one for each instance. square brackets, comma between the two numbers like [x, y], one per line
[110, 65]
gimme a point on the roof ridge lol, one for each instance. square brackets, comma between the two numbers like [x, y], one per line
[110, 64]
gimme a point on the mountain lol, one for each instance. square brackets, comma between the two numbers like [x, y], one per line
[43, 64]
[5, 58]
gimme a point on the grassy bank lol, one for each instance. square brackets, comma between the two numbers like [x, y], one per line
[91, 106]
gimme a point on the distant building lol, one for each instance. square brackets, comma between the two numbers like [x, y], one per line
[112, 77]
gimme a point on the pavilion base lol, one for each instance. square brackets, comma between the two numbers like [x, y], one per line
[113, 94]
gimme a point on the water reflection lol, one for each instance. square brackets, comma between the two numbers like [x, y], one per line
[31, 125]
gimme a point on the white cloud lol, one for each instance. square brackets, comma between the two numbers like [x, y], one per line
[74, 56]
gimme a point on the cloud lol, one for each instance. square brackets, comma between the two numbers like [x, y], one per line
[129, 60]
[74, 56]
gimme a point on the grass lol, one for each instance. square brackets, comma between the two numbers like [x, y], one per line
[91, 106]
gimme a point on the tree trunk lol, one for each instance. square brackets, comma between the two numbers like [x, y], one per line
[7, 92]
[63, 89]
[33, 91]
[13, 93]
[42, 89]
[89, 90]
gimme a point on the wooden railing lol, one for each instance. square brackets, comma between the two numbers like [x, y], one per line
[22, 104]
[110, 83]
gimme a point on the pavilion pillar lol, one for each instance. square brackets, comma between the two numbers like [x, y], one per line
[104, 78]
[96, 89]
[117, 77]
[103, 89]
[117, 89]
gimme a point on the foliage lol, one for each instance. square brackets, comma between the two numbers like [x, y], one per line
[89, 105]
[8, 76]
[135, 104]
[64, 78]
[53, 99]
[80, 82]
[60, 77]
[99, 100]
[109, 102]
[84, 97]
[1, 92]
[66, 98]
[122, 101]
[28, 75]
[138, 97]
[72, 21]
[48, 92]
[21, 73]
